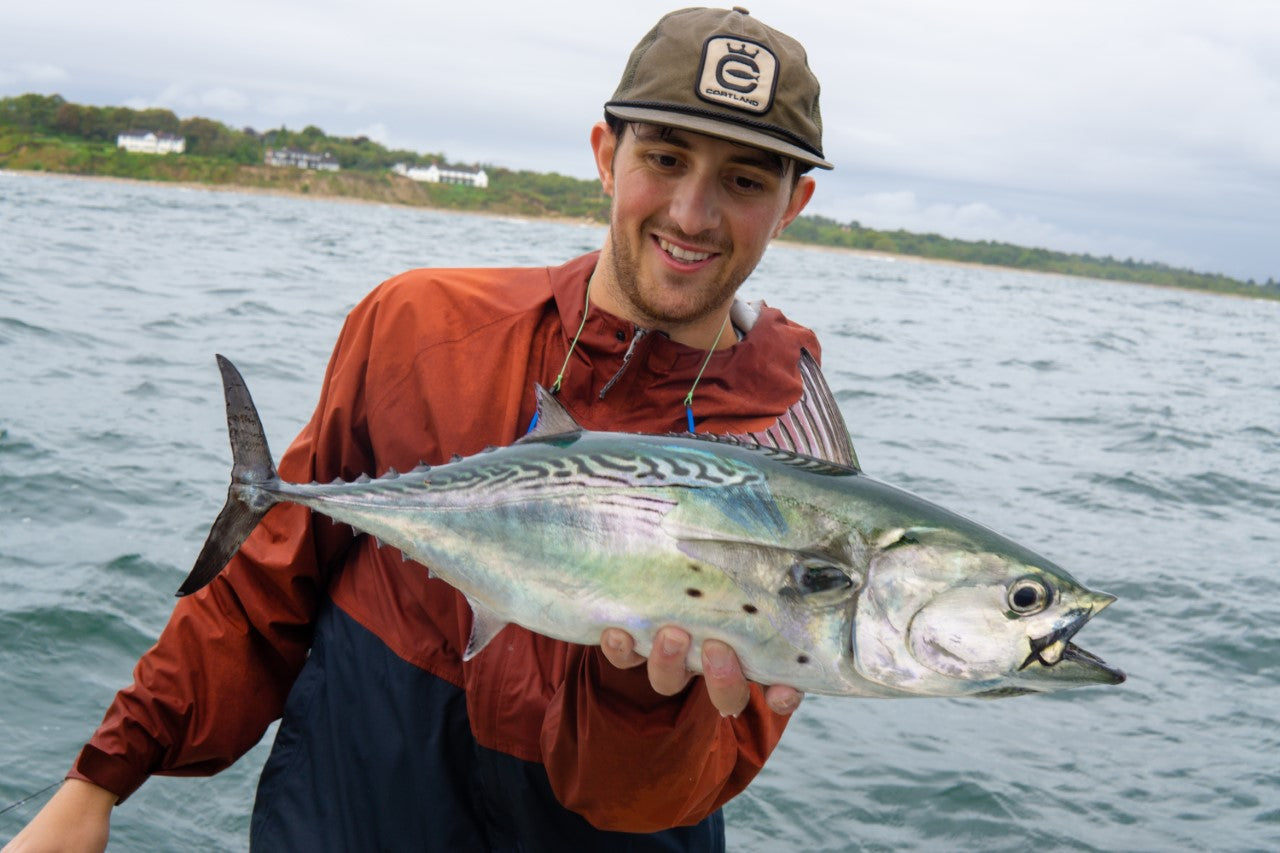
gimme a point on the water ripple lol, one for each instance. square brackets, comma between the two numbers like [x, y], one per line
[1130, 434]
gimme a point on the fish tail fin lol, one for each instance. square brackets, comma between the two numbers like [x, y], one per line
[251, 469]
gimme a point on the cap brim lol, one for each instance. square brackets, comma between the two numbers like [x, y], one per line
[720, 129]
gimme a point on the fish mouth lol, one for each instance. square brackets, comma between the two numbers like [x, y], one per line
[1051, 648]
[1090, 662]
[1056, 649]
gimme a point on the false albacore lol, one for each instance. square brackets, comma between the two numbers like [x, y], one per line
[819, 576]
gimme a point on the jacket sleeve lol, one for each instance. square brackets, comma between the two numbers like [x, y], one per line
[225, 662]
[628, 759]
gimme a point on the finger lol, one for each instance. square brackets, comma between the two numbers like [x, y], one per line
[782, 699]
[726, 685]
[619, 648]
[667, 671]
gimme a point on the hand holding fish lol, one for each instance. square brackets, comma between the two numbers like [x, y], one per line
[726, 685]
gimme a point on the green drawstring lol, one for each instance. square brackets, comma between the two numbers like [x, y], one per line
[688, 399]
[555, 386]
[586, 306]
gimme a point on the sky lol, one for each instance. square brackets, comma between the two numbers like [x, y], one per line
[1145, 129]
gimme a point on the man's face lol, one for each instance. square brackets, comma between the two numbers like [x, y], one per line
[691, 218]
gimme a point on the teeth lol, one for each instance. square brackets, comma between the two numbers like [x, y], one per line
[682, 254]
[1052, 653]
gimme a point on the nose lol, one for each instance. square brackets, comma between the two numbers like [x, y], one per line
[695, 204]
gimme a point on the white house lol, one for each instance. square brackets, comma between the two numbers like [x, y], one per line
[149, 142]
[325, 162]
[433, 174]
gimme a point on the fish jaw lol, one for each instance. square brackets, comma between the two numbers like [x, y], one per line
[938, 620]
[1055, 660]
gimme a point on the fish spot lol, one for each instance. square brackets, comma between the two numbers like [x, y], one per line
[750, 608]
[693, 592]
[694, 567]
[802, 659]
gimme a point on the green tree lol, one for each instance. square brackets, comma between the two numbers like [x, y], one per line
[31, 112]
[67, 119]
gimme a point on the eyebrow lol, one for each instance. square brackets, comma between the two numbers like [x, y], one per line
[766, 160]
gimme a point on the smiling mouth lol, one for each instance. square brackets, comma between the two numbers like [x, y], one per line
[687, 256]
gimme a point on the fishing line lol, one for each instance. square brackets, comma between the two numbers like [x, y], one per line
[29, 797]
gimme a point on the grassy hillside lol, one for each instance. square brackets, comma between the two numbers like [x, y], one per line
[48, 133]
[510, 193]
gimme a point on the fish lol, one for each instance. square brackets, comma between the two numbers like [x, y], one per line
[819, 576]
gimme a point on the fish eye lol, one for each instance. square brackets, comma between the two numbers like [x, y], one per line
[1028, 595]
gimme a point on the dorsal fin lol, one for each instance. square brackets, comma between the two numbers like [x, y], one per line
[813, 426]
[552, 417]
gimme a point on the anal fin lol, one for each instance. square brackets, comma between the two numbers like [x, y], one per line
[485, 625]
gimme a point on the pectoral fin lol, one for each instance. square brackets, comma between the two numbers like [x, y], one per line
[814, 575]
[797, 592]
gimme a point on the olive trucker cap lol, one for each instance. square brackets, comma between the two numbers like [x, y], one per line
[723, 73]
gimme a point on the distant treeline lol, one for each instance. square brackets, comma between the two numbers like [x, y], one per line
[828, 232]
[49, 133]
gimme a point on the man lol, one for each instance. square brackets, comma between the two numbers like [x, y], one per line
[389, 740]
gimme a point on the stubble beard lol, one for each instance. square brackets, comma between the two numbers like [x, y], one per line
[625, 265]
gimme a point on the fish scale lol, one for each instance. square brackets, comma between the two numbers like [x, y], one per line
[817, 575]
[534, 473]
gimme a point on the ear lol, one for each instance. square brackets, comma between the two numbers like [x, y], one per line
[603, 145]
[799, 199]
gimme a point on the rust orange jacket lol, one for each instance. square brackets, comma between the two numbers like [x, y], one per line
[434, 363]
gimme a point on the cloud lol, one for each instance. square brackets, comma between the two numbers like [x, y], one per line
[214, 102]
[377, 132]
[980, 220]
[1143, 127]
[966, 221]
[1098, 96]
[221, 100]
[33, 74]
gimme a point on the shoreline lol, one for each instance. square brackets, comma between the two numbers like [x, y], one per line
[871, 254]
[562, 220]
[279, 193]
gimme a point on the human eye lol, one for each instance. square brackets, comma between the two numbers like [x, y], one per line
[664, 160]
[748, 183]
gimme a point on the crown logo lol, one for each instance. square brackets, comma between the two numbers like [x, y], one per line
[738, 73]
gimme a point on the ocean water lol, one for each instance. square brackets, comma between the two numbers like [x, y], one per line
[1129, 433]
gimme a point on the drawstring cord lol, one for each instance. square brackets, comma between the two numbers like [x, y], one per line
[688, 398]
[555, 386]
[586, 308]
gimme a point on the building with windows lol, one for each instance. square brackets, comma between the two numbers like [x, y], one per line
[150, 142]
[301, 159]
[434, 174]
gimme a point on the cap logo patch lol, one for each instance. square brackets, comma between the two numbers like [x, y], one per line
[738, 73]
